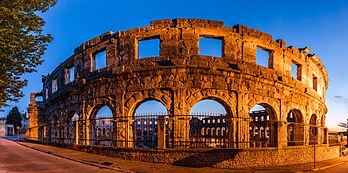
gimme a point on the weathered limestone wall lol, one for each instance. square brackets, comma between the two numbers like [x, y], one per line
[221, 158]
[180, 77]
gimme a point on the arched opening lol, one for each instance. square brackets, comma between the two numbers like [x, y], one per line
[101, 119]
[263, 126]
[55, 130]
[145, 124]
[210, 115]
[70, 127]
[313, 131]
[295, 128]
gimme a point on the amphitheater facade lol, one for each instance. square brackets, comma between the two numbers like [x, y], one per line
[291, 87]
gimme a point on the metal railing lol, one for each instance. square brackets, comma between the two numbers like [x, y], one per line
[163, 131]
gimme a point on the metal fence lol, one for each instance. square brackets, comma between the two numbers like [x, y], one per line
[180, 131]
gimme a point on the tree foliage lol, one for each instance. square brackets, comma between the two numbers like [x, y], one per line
[14, 117]
[22, 43]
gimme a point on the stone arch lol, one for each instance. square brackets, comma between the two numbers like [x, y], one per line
[295, 127]
[213, 122]
[226, 98]
[263, 126]
[271, 105]
[133, 100]
[144, 126]
[93, 106]
[94, 123]
[313, 121]
[69, 127]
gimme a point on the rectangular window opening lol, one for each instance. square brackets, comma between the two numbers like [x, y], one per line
[39, 98]
[315, 83]
[262, 57]
[69, 75]
[149, 48]
[210, 46]
[72, 74]
[54, 85]
[46, 93]
[296, 70]
[99, 60]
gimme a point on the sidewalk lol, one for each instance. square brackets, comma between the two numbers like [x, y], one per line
[144, 167]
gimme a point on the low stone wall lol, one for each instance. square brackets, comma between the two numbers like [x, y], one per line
[222, 158]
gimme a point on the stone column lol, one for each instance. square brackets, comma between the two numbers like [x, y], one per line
[280, 135]
[124, 132]
[76, 132]
[306, 134]
[161, 132]
[44, 134]
[87, 132]
[181, 131]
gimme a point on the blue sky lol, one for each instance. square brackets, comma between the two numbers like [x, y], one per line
[321, 25]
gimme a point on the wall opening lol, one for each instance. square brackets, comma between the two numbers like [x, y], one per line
[102, 127]
[263, 57]
[211, 46]
[145, 131]
[72, 74]
[46, 93]
[208, 127]
[38, 98]
[70, 128]
[295, 128]
[99, 60]
[54, 85]
[149, 48]
[312, 127]
[315, 83]
[69, 75]
[263, 126]
[296, 70]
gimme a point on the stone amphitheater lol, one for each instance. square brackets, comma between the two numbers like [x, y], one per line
[291, 87]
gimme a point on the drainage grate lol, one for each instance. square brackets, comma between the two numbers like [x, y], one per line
[107, 163]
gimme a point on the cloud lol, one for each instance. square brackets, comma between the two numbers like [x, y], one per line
[340, 99]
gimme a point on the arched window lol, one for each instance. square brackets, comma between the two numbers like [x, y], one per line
[145, 121]
[264, 131]
[101, 118]
[295, 129]
[213, 119]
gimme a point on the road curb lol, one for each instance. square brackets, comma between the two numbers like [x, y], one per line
[76, 160]
[329, 166]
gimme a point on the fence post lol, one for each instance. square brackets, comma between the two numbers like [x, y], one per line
[161, 132]
[76, 132]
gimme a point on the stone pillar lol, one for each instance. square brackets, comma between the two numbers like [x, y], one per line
[76, 132]
[326, 136]
[161, 132]
[87, 134]
[306, 135]
[33, 113]
[231, 132]
[181, 131]
[44, 134]
[280, 135]
[123, 130]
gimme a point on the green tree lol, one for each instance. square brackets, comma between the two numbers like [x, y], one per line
[14, 117]
[22, 44]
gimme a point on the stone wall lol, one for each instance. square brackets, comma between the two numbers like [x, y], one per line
[221, 158]
[180, 77]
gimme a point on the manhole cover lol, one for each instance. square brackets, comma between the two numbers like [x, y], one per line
[107, 163]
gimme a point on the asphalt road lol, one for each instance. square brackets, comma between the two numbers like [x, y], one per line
[341, 168]
[17, 158]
